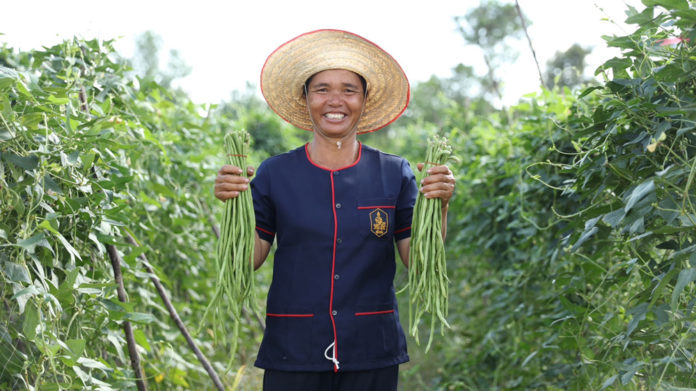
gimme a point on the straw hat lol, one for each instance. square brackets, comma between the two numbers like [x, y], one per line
[287, 69]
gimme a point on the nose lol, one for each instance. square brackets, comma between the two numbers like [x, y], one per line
[334, 98]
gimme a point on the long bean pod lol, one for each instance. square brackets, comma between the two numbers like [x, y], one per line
[234, 250]
[427, 272]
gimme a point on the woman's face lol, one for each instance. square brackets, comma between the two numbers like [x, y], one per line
[335, 98]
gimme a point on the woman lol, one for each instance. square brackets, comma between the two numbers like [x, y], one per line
[335, 207]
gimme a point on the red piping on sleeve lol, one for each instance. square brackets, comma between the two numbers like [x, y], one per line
[265, 230]
[373, 313]
[378, 206]
[402, 230]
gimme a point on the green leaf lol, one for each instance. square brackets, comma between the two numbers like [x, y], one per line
[669, 73]
[115, 306]
[641, 18]
[28, 163]
[58, 101]
[66, 288]
[71, 250]
[685, 276]
[31, 321]
[46, 224]
[30, 290]
[89, 363]
[590, 229]
[50, 184]
[630, 371]
[140, 317]
[681, 5]
[617, 65]
[37, 240]
[8, 77]
[614, 218]
[609, 382]
[31, 120]
[141, 339]
[638, 193]
[639, 313]
[77, 346]
[588, 91]
[16, 272]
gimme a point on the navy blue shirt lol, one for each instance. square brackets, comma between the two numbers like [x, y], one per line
[331, 304]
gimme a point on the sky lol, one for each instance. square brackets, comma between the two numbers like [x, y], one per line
[226, 42]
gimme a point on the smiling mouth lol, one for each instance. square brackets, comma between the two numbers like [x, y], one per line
[334, 116]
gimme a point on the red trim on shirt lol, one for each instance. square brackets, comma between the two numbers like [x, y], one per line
[378, 206]
[291, 315]
[373, 313]
[338, 169]
[333, 264]
[402, 230]
[265, 230]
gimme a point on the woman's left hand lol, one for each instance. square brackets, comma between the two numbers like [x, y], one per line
[439, 183]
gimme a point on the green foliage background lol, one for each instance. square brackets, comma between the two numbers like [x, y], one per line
[572, 233]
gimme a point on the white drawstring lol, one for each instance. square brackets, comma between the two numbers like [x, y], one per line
[333, 358]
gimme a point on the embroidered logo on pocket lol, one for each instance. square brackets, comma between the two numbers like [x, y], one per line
[379, 222]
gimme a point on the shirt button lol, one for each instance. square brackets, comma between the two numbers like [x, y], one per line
[337, 277]
[334, 312]
[338, 205]
[336, 173]
[339, 241]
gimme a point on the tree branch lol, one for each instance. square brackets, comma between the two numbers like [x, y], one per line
[175, 317]
[127, 329]
[121, 291]
[529, 40]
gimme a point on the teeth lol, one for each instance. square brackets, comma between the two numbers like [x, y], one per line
[334, 115]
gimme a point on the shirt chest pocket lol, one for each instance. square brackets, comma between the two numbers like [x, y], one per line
[376, 217]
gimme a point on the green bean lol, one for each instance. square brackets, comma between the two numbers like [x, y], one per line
[234, 250]
[427, 272]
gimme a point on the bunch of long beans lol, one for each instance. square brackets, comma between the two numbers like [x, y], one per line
[427, 270]
[235, 249]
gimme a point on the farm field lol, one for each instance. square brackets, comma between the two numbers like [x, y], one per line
[571, 245]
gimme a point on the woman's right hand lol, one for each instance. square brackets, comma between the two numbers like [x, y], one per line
[230, 182]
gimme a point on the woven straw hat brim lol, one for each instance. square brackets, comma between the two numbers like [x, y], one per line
[288, 68]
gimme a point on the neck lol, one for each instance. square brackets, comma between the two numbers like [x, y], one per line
[326, 153]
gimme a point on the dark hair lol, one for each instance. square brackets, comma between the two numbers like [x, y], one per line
[305, 88]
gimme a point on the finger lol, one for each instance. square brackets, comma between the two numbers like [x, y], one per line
[226, 186]
[226, 195]
[438, 178]
[250, 171]
[230, 170]
[443, 195]
[234, 179]
[438, 186]
[442, 169]
[420, 166]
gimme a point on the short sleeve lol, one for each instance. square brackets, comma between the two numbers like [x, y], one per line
[405, 202]
[264, 208]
